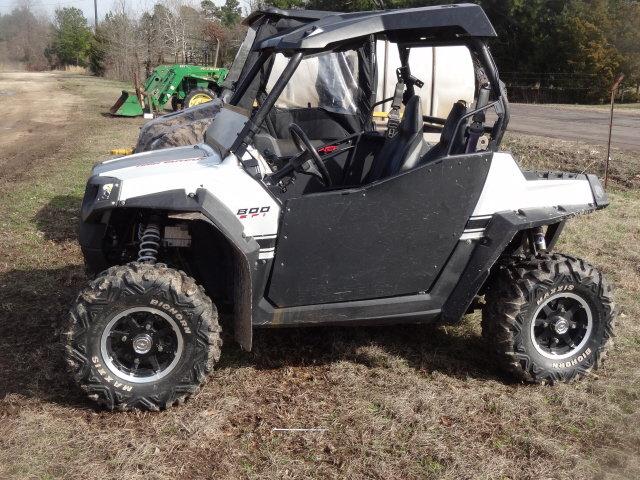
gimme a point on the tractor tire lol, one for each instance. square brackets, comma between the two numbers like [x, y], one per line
[548, 318]
[141, 337]
[198, 96]
[176, 103]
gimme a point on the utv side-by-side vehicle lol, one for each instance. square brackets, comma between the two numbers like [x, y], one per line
[369, 228]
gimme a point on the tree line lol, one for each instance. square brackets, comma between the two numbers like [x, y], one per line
[547, 50]
[123, 44]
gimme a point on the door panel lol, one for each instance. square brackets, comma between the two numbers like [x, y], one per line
[385, 239]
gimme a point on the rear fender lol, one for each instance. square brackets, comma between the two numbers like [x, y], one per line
[499, 234]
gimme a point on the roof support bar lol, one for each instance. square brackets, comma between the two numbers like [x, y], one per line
[498, 90]
[248, 78]
[239, 147]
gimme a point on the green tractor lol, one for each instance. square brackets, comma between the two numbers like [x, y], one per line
[184, 85]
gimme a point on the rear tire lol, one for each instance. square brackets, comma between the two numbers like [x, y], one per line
[198, 96]
[548, 318]
[142, 336]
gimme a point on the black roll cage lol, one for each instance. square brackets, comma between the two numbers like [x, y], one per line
[477, 46]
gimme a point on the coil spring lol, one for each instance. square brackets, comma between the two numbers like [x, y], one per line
[149, 243]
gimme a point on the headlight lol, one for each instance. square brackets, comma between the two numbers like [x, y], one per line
[104, 192]
[101, 193]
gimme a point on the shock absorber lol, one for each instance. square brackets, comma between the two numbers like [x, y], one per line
[539, 240]
[149, 242]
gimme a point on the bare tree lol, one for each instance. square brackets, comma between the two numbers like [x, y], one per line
[25, 36]
[174, 29]
[124, 43]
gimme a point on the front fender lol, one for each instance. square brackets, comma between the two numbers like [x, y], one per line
[249, 275]
[249, 271]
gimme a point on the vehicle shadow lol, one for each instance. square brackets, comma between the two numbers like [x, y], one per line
[34, 304]
[451, 350]
[58, 219]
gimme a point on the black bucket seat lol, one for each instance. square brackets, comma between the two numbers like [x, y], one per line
[403, 151]
[449, 136]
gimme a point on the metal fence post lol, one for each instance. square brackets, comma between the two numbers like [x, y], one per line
[614, 89]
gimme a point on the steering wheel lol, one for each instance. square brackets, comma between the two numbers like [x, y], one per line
[304, 145]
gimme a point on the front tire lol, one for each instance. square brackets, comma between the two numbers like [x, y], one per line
[548, 318]
[142, 336]
[176, 103]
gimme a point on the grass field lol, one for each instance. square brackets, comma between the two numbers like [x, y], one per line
[407, 403]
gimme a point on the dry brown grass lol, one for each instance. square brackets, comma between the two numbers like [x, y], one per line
[406, 402]
[76, 69]
[552, 154]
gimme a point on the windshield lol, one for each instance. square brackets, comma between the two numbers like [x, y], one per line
[328, 81]
[225, 127]
[241, 57]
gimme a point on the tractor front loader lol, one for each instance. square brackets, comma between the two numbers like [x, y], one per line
[184, 85]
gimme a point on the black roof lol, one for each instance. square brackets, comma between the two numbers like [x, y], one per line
[297, 14]
[408, 24]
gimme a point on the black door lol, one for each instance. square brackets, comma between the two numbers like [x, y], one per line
[385, 239]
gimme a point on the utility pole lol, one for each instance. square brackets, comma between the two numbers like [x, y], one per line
[95, 15]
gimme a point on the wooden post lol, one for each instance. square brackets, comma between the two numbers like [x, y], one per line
[138, 90]
[215, 60]
[614, 89]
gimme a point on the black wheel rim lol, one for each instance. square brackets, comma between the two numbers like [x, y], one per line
[561, 325]
[141, 344]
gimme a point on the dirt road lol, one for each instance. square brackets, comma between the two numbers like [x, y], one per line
[589, 125]
[35, 110]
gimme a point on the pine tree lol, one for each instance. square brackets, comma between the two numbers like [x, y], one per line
[72, 36]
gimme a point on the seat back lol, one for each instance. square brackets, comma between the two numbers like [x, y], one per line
[449, 136]
[403, 150]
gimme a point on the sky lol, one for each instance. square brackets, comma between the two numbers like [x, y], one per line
[104, 6]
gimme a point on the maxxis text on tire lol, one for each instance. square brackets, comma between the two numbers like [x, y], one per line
[141, 336]
[548, 318]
